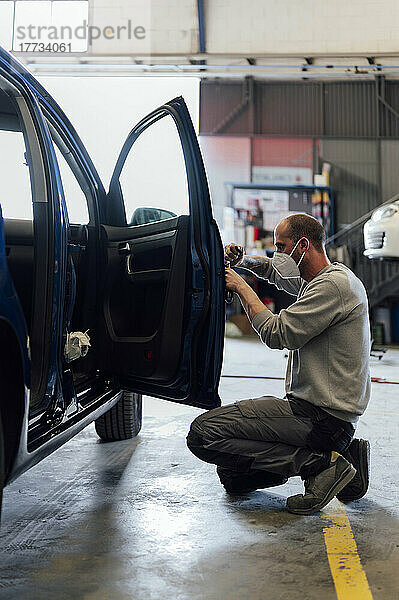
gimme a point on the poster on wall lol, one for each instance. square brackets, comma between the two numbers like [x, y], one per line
[274, 204]
[246, 198]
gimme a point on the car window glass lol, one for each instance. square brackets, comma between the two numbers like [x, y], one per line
[16, 194]
[153, 179]
[75, 199]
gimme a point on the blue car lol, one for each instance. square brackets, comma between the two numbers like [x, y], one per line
[95, 314]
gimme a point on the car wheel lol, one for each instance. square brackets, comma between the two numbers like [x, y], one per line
[123, 420]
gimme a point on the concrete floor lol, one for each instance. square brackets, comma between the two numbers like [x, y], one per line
[145, 519]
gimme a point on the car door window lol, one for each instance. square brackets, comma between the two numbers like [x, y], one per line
[16, 195]
[154, 180]
[17, 209]
[75, 199]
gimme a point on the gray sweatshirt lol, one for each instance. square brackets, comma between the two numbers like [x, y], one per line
[327, 332]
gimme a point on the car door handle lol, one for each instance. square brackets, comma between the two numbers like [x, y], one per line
[124, 249]
[129, 269]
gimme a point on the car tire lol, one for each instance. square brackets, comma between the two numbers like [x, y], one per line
[123, 420]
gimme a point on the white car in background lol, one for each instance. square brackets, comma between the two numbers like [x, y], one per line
[381, 232]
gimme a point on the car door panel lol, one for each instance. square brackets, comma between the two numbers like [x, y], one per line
[145, 283]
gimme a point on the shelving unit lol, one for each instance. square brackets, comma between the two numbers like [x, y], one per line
[258, 208]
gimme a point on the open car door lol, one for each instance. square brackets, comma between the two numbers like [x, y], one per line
[163, 296]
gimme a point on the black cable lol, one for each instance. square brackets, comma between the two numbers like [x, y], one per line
[373, 379]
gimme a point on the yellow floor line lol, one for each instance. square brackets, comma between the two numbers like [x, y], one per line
[383, 412]
[349, 577]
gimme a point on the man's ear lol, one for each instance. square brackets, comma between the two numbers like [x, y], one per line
[304, 244]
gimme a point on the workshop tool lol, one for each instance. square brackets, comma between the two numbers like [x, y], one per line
[229, 294]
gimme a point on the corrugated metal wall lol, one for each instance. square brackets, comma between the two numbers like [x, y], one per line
[389, 109]
[350, 109]
[288, 109]
[354, 176]
[219, 101]
[354, 127]
[333, 109]
[390, 168]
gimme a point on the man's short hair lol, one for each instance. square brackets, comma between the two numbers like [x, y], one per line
[301, 225]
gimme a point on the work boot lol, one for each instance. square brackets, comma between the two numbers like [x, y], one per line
[321, 488]
[243, 483]
[358, 454]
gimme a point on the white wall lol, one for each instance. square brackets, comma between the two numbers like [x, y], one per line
[263, 26]
[258, 26]
[226, 159]
[277, 27]
[303, 26]
[171, 26]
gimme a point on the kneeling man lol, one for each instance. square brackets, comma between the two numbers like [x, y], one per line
[261, 442]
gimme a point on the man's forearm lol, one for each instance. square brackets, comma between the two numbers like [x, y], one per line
[259, 265]
[253, 259]
[250, 262]
[250, 301]
[263, 268]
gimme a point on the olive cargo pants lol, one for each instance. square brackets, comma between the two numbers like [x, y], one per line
[272, 437]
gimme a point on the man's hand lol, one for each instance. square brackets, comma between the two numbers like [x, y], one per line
[250, 301]
[234, 282]
[233, 254]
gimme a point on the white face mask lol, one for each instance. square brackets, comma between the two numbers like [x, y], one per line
[285, 265]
